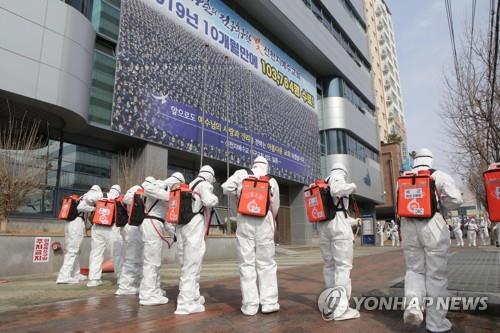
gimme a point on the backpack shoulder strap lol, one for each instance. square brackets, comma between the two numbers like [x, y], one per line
[192, 189]
[152, 206]
[198, 183]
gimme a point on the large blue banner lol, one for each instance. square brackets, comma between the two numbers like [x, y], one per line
[175, 60]
[223, 28]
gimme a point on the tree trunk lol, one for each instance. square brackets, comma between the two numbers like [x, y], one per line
[3, 224]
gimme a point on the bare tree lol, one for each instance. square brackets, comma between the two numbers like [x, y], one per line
[472, 112]
[22, 166]
[126, 171]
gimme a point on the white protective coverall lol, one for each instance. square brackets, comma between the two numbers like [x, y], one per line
[156, 196]
[394, 233]
[74, 231]
[496, 228]
[472, 232]
[426, 246]
[336, 239]
[191, 243]
[103, 238]
[458, 231]
[255, 244]
[483, 231]
[131, 272]
[380, 232]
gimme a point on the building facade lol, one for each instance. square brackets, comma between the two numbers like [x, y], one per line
[391, 164]
[181, 83]
[385, 76]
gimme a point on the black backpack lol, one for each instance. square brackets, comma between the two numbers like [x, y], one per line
[138, 210]
[121, 214]
[186, 213]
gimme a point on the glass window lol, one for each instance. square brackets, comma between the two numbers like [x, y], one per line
[116, 3]
[323, 143]
[101, 93]
[341, 142]
[334, 88]
[83, 167]
[83, 6]
[325, 17]
[316, 10]
[333, 143]
[106, 18]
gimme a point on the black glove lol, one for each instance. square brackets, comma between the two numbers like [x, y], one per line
[175, 238]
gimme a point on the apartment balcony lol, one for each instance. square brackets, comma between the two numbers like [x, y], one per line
[392, 116]
[387, 68]
[384, 54]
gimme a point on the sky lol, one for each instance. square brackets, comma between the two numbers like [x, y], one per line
[424, 54]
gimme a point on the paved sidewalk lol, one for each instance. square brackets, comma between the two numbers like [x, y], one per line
[299, 288]
[472, 272]
[41, 289]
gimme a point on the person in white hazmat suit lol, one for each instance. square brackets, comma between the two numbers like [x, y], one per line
[156, 195]
[255, 244]
[131, 272]
[457, 229]
[104, 237]
[483, 230]
[380, 232]
[336, 239]
[496, 230]
[426, 245]
[191, 242]
[472, 230]
[394, 233]
[74, 231]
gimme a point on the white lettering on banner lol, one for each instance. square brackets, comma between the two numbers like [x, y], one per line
[413, 193]
[176, 111]
[225, 29]
[41, 249]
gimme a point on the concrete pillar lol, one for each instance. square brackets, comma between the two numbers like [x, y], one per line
[154, 161]
[301, 229]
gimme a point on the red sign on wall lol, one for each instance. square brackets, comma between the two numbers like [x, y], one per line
[41, 249]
